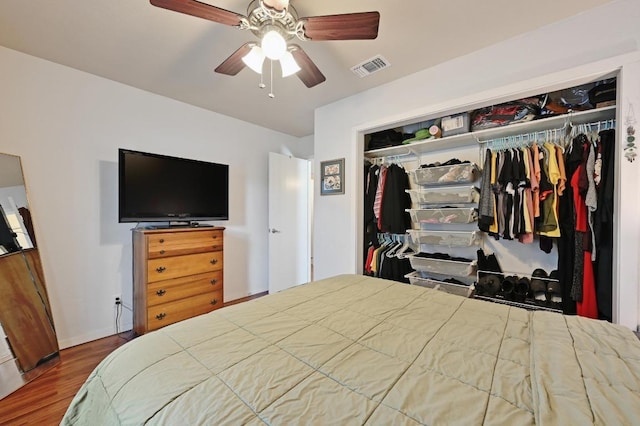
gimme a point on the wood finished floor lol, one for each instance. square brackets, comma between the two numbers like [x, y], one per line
[45, 400]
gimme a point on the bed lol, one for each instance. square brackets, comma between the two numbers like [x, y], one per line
[357, 350]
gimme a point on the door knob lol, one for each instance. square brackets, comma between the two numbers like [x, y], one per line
[275, 231]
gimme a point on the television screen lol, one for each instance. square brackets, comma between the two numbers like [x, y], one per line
[159, 188]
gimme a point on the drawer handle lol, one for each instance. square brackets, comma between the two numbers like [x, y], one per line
[161, 240]
[214, 281]
[214, 302]
[214, 237]
[161, 251]
[161, 292]
[160, 269]
[161, 316]
[213, 261]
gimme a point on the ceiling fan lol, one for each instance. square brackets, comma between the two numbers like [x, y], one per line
[276, 23]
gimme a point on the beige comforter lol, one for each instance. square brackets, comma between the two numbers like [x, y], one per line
[360, 350]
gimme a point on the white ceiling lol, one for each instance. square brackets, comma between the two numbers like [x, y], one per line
[172, 54]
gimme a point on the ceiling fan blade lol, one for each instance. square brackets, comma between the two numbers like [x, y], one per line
[348, 26]
[278, 5]
[309, 72]
[234, 64]
[200, 10]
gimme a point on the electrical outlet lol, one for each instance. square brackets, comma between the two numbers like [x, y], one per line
[117, 300]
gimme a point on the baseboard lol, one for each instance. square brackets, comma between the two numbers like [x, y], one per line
[89, 337]
[105, 332]
[245, 299]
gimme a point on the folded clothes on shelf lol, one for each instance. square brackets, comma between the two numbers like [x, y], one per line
[446, 163]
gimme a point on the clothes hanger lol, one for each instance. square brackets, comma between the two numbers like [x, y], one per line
[402, 252]
[392, 251]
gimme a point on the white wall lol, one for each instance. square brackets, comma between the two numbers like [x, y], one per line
[67, 126]
[571, 49]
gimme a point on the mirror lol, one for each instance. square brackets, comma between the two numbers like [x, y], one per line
[28, 343]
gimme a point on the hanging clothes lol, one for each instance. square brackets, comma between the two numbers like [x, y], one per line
[393, 215]
[586, 209]
[377, 203]
[486, 206]
[603, 224]
[519, 193]
[385, 204]
[567, 243]
[583, 285]
[370, 224]
[385, 261]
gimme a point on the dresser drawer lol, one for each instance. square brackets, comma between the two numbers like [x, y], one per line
[179, 243]
[181, 266]
[168, 313]
[168, 291]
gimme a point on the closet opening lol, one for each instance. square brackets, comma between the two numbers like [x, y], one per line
[511, 201]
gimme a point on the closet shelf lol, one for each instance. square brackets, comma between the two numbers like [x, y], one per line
[471, 138]
[446, 238]
[444, 195]
[444, 215]
[528, 301]
[531, 306]
[447, 287]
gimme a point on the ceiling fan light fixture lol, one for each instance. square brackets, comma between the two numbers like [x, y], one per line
[273, 45]
[288, 64]
[254, 59]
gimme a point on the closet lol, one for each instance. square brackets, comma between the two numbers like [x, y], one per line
[517, 211]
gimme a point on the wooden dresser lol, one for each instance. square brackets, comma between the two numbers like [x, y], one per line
[177, 274]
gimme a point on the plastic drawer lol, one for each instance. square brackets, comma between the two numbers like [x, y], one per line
[444, 215]
[467, 280]
[455, 173]
[445, 238]
[442, 266]
[451, 288]
[445, 195]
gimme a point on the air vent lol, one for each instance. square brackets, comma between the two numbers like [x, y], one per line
[370, 66]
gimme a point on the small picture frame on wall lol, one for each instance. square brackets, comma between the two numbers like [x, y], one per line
[332, 177]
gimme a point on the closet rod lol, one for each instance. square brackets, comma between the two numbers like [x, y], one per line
[593, 127]
[513, 141]
[557, 135]
[398, 158]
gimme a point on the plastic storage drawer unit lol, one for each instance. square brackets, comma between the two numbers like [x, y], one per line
[451, 288]
[444, 175]
[443, 266]
[445, 238]
[444, 215]
[445, 195]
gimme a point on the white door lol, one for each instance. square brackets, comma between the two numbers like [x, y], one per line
[289, 257]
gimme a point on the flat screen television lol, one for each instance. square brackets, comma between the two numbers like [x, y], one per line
[160, 188]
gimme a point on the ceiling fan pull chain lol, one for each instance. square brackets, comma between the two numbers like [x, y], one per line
[271, 95]
[262, 85]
